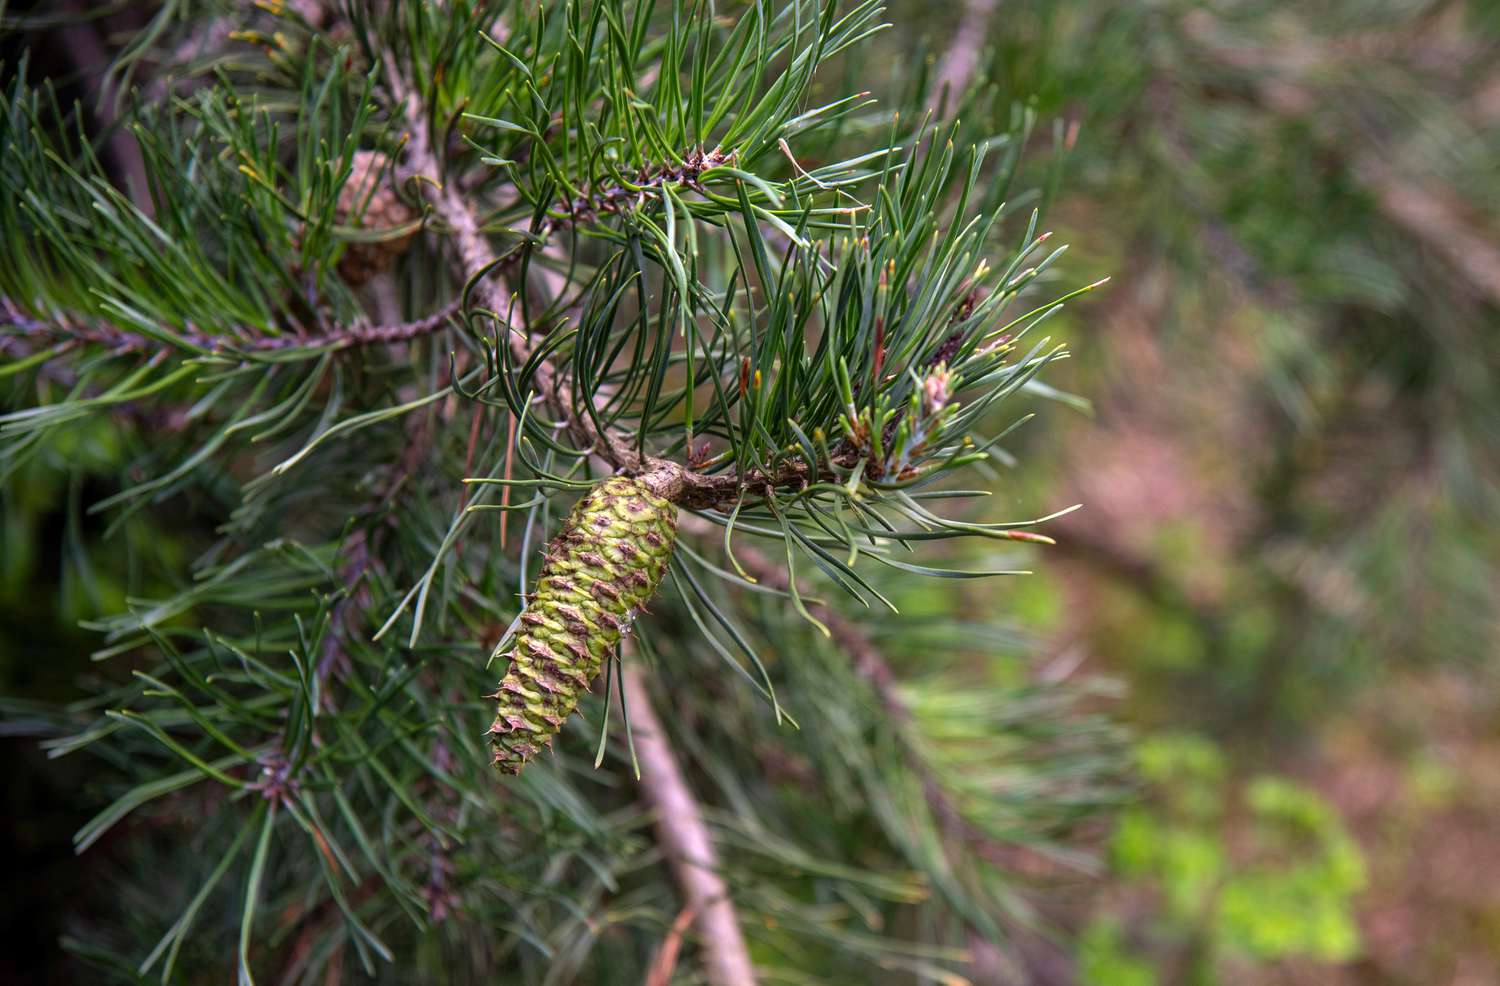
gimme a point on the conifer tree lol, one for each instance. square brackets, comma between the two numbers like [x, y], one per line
[546, 388]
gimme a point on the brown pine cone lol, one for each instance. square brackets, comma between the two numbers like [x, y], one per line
[367, 205]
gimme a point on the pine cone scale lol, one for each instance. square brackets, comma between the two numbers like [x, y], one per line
[600, 571]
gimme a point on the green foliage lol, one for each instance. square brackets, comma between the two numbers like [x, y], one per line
[1105, 960]
[1254, 167]
[1300, 362]
[1302, 908]
[1262, 873]
[650, 243]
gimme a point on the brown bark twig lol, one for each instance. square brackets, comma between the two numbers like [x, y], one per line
[665, 962]
[68, 332]
[988, 961]
[685, 841]
[681, 831]
[90, 57]
[476, 255]
[955, 70]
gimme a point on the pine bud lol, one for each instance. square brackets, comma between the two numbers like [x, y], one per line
[600, 570]
[935, 392]
[382, 209]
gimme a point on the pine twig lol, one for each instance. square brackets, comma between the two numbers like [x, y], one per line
[63, 331]
[1425, 214]
[362, 548]
[989, 965]
[870, 664]
[955, 70]
[685, 841]
[614, 199]
[477, 257]
[665, 962]
[90, 57]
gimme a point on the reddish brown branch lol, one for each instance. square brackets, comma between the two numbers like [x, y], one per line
[665, 963]
[476, 254]
[63, 331]
[684, 840]
[955, 71]
[614, 199]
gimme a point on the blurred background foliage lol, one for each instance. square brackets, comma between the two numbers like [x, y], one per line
[1288, 548]
[1290, 472]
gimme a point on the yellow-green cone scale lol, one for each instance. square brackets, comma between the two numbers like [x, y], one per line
[600, 570]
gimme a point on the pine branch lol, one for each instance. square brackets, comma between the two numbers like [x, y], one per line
[870, 664]
[1425, 214]
[91, 58]
[614, 199]
[955, 71]
[684, 839]
[989, 963]
[65, 333]
[664, 965]
[478, 259]
[669, 273]
[1433, 219]
[362, 549]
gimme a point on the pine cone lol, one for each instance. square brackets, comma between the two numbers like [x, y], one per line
[383, 209]
[600, 570]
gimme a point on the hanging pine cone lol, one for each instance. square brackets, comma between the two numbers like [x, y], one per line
[383, 209]
[600, 570]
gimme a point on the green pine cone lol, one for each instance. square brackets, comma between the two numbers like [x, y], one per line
[600, 570]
